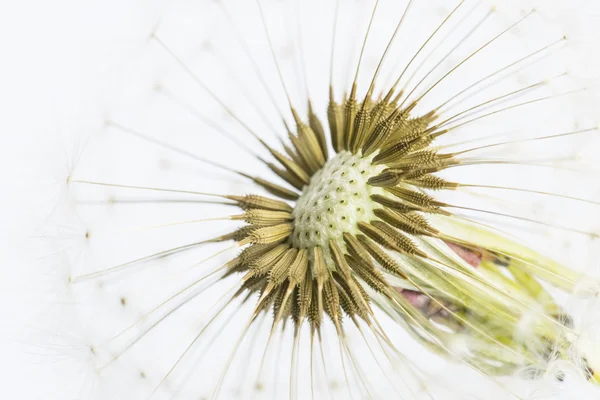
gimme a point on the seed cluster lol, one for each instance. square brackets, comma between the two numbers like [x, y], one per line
[360, 225]
[354, 229]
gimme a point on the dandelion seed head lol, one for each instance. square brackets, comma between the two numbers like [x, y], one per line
[213, 250]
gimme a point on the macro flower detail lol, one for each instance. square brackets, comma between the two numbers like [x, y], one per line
[391, 236]
[364, 232]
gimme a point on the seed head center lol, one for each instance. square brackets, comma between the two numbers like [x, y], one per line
[335, 201]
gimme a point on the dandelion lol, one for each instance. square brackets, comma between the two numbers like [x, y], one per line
[402, 220]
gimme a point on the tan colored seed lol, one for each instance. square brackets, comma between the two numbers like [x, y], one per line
[391, 203]
[411, 223]
[317, 127]
[280, 270]
[270, 234]
[432, 182]
[402, 242]
[264, 217]
[386, 179]
[276, 190]
[287, 176]
[384, 259]
[252, 201]
[254, 251]
[371, 276]
[419, 199]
